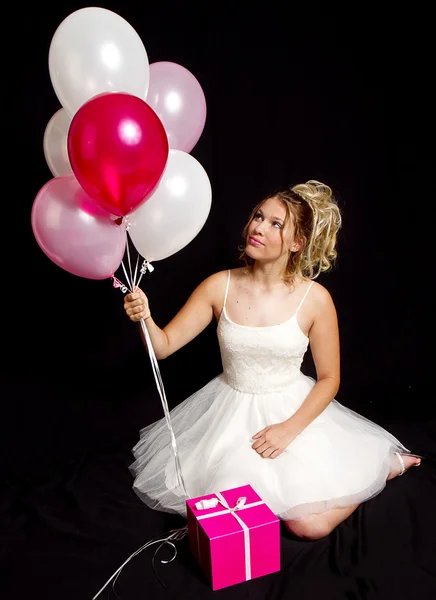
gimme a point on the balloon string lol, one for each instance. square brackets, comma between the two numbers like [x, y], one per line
[146, 266]
[130, 266]
[127, 277]
[161, 390]
[136, 271]
[162, 394]
[139, 280]
[175, 536]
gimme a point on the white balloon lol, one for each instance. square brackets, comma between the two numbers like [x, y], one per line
[55, 143]
[93, 51]
[176, 211]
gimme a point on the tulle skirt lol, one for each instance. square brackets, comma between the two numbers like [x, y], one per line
[340, 459]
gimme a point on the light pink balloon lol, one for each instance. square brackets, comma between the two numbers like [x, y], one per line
[178, 99]
[75, 232]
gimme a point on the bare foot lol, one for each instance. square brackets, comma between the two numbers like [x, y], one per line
[409, 461]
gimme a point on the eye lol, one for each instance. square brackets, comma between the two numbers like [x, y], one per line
[277, 224]
[257, 216]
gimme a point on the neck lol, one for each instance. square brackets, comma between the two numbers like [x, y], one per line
[267, 275]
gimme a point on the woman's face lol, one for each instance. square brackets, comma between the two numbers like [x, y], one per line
[264, 240]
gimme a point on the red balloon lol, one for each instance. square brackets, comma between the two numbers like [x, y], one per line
[118, 150]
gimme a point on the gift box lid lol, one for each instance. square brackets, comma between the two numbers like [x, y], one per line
[219, 521]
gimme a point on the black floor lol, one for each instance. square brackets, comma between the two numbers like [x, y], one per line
[67, 529]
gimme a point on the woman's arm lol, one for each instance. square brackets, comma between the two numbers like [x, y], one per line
[190, 321]
[324, 345]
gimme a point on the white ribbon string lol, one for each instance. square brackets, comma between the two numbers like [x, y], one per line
[130, 265]
[161, 391]
[240, 505]
[175, 535]
[126, 276]
[136, 269]
[156, 371]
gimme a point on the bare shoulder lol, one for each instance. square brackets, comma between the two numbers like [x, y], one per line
[217, 279]
[214, 285]
[321, 299]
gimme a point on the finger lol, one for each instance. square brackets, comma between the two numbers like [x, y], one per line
[132, 312]
[262, 448]
[258, 443]
[137, 317]
[267, 453]
[132, 296]
[259, 433]
[276, 453]
[138, 295]
[136, 310]
[135, 303]
[262, 440]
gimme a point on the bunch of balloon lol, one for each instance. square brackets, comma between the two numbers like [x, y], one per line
[118, 149]
[106, 147]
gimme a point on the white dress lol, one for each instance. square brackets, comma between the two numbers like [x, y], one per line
[341, 458]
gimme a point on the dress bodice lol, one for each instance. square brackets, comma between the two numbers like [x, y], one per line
[261, 359]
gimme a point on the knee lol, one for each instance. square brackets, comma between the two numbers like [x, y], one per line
[310, 528]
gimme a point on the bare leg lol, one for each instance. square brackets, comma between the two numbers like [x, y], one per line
[317, 526]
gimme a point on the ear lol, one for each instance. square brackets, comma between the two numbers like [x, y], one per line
[297, 245]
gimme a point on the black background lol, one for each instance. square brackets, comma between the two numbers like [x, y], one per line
[327, 91]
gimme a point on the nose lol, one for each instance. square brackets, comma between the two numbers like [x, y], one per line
[259, 228]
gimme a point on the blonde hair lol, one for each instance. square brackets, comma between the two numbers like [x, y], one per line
[317, 220]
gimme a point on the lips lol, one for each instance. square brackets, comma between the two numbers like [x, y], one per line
[254, 242]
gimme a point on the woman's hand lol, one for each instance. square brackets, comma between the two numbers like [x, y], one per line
[136, 305]
[272, 440]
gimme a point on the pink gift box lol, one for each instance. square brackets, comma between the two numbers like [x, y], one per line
[231, 545]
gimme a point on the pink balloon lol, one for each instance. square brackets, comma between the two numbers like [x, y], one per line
[179, 101]
[75, 232]
[118, 149]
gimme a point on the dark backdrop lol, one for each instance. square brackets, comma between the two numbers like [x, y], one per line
[294, 92]
[338, 92]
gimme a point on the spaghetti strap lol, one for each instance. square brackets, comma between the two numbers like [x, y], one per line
[227, 289]
[304, 297]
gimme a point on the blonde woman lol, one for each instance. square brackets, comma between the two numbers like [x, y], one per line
[262, 421]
